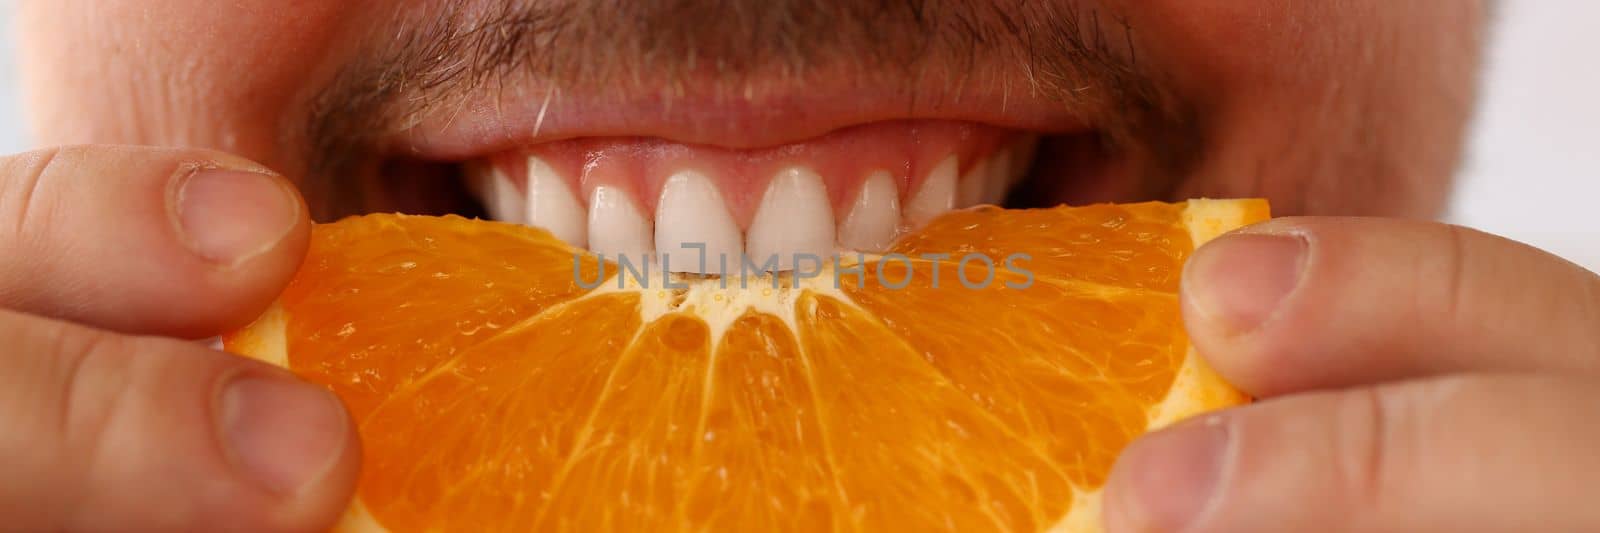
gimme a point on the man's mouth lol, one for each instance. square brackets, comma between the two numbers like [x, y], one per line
[854, 189]
[753, 145]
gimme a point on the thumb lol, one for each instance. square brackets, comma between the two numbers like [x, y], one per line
[159, 241]
[1458, 454]
[101, 431]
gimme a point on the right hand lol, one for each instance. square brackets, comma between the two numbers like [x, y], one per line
[109, 255]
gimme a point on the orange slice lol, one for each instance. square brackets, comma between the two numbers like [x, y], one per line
[495, 392]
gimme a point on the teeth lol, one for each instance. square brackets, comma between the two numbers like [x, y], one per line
[617, 227]
[874, 217]
[794, 219]
[551, 204]
[691, 211]
[994, 190]
[936, 195]
[970, 192]
[502, 201]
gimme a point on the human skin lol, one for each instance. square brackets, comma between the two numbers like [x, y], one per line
[1390, 345]
[1337, 108]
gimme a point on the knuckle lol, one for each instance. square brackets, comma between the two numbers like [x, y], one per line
[1393, 437]
[60, 404]
[23, 208]
[1589, 302]
[1366, 423]
[94, 379]
[1443, 274]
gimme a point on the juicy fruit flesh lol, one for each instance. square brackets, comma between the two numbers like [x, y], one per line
[494, 393]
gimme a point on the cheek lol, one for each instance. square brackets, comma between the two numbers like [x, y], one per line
[1277, 54]
[201, 73]
[1348, 106]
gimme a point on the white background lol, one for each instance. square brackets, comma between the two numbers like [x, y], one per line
[1533, 169]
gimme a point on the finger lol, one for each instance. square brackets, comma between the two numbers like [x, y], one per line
[103, 432]
[1457, 454]
[160, 241]
[1306, 303]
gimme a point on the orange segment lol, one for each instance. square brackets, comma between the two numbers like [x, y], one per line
[444, 444]
[1131, 245]
[629, 468]
[1072, 369]
[496, 393]
[370, 287]
[760, 436]
[912, 452]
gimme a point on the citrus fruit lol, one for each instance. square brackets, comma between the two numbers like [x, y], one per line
[495, 390]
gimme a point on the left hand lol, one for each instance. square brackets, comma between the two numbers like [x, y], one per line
[1413, 377]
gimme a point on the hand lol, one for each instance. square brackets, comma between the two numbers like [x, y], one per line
[107, 422]
[1414, 377]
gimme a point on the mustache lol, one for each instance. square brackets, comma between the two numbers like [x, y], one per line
[424, 59]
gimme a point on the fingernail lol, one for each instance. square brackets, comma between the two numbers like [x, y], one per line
[1241, 280]
[284, 433]
[228, 216]
[1165, 481]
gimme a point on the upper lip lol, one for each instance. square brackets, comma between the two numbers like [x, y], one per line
[521, 114]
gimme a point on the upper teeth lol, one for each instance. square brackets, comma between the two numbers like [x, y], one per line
[874, 216]
[693, 228]
[795, 219]
[617, 227]
[692, 213]
[937, 193]
[553, 206]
